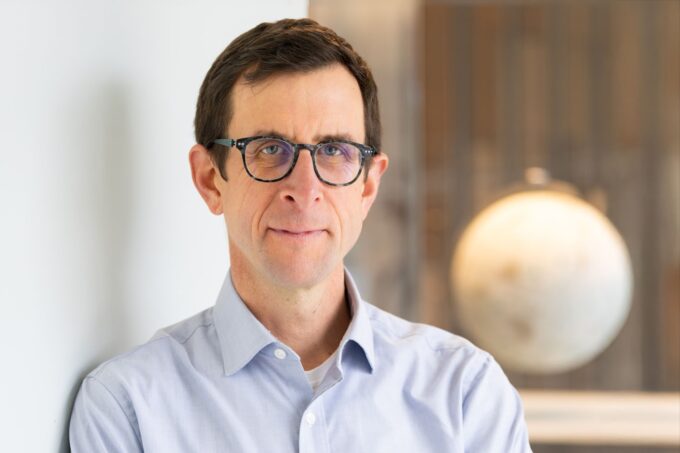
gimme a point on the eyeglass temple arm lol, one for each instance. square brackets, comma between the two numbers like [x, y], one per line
[225, 142]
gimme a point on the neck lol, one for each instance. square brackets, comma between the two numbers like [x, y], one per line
[310, 320]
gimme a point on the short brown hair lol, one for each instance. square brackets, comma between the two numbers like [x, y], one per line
[286, 46]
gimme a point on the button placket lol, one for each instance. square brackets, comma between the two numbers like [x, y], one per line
[313, 430]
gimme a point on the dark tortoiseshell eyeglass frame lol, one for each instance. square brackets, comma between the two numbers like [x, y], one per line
[365, 153]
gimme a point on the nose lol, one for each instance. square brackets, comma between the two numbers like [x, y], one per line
[302, 187]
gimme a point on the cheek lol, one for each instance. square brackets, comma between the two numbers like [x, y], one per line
[352, 219]
[243, 208]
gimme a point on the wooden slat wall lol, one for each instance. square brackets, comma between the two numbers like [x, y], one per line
[590, 91]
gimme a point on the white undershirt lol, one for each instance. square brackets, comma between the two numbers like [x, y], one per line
[316, 375]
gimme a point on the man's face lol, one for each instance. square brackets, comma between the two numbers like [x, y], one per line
[295, 232]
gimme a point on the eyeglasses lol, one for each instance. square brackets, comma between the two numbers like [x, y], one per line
[270, 159]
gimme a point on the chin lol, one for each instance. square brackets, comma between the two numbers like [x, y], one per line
[300, 272]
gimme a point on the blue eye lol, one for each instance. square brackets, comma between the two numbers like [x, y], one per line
[267, 148]
[333, 150]
[271, 149]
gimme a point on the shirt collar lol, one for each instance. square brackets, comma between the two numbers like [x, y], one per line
[241, 335]
[359, 330]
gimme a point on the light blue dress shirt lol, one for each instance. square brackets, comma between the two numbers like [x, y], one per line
[221, 382]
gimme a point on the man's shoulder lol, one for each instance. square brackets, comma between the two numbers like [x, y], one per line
[439, 356]
[396, 330]
[162, 351]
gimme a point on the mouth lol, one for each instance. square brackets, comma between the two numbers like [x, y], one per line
[297, 234]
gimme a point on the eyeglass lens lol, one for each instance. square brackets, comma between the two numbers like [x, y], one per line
[269, 159]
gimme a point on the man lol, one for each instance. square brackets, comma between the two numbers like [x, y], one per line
[291, 358]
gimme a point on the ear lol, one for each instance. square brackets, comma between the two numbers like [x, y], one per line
[378, 167]
[206, 178]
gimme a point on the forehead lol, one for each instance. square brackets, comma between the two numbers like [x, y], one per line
[301, 105]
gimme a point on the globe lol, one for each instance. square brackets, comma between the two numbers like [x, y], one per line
[542, 280]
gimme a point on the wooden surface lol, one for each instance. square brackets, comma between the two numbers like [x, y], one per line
[603, 418]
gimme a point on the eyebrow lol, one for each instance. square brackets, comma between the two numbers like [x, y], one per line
[317, 139]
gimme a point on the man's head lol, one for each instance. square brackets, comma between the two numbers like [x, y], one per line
[309, 87]
[286, 46]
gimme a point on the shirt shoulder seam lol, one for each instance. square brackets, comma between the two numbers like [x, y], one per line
[188, 337]
[475, 378]
[100, 369]
[373, 317]
[127, 416]
[149, 342]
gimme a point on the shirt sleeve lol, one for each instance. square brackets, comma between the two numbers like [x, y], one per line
[99, 423]
[493, 417]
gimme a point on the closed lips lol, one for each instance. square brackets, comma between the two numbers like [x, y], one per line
[297, 232]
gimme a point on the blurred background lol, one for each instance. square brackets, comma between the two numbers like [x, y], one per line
[99, 214]
[475, 92]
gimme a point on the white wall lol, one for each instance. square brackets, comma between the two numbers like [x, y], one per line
[103, 238]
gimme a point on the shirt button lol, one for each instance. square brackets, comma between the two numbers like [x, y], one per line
[280, 354]
[310, 418]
